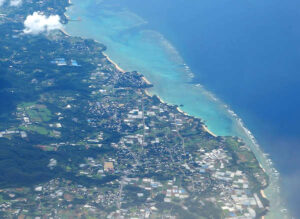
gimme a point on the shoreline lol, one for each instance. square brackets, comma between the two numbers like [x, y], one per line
[146, 80]
[209, 131]
[205, 128]
[114, 63]
[264, 196]
[147, 92]
[65, 32]
[262, 192]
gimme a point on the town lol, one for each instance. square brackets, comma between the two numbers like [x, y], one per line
[100, 146]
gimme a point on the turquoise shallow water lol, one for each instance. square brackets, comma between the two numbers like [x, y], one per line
[135, 47]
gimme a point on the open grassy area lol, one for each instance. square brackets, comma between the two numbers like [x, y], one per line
[1, 199]
[36, 112]
[34, 128]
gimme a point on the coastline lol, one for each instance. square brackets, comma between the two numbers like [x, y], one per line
[146, 80]
[180, 110]
[205, 128]
[262, 192]
[65, 32]
[115, 64]
[209, 131]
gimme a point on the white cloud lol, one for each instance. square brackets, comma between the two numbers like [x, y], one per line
[38, 23]
[15, 3]
[2, 2]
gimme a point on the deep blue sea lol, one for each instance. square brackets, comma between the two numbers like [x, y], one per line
[214, 57]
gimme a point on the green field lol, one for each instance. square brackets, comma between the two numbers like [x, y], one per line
[34, 128]
[36, 112]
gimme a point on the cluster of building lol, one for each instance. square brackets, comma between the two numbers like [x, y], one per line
[63, 62]
[148, 159]
[7, 133]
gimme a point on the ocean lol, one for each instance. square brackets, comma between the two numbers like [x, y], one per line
[232, 63]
